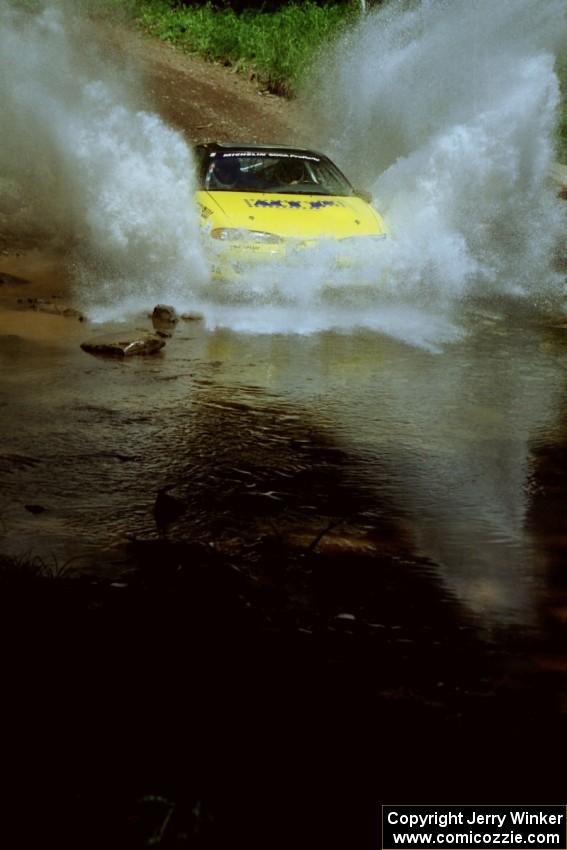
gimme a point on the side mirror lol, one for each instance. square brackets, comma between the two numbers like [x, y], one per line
[364, 195]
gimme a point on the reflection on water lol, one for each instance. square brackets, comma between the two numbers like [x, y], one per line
[443, 441]
[440, 446]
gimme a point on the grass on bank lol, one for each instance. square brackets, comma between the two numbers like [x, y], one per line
[276, 47]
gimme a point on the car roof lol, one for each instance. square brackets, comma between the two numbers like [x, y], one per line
[259, 146]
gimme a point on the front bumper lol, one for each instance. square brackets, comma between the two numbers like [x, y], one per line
[231, 259]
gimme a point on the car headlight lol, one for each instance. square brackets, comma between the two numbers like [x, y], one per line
[228, 234]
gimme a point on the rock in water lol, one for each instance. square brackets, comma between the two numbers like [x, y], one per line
[123, 345]
[165, 313]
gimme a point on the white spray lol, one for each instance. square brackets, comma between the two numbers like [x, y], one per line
[448, 113]
[93, 167]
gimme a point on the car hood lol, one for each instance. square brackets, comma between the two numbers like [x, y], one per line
[293, 216]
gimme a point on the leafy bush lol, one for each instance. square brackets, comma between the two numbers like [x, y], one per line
[276, 47]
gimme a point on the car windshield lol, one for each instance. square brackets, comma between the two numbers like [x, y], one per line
[274, 172]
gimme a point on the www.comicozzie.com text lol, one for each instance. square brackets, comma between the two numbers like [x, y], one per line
[487, 838]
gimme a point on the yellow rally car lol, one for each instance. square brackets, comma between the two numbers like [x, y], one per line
[258, 201]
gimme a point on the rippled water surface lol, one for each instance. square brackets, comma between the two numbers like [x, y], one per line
[451, 455]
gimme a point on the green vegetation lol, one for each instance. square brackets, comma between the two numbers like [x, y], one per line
[276, 47]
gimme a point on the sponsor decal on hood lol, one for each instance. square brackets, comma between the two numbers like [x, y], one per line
[286, 204]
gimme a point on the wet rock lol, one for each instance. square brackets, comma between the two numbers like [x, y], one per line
[192, 317]
[165, 314]
[123, 345]
[59, 310]
[11, 280]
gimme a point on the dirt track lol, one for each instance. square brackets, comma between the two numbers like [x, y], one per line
[205, 100]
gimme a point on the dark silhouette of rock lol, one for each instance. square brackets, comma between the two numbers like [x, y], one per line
[35, 509]
[167, 509]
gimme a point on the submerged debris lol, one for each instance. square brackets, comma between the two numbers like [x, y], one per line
[35, 509]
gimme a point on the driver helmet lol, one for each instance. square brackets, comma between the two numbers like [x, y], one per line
[290, 171]
[225, 172]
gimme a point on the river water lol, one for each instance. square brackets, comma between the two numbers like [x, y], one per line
[444, 448]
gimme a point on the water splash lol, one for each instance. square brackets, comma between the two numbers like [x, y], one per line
[94, 169]
[335, 285]
[449, 115]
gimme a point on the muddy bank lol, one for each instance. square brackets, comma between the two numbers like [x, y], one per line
[203, 99]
